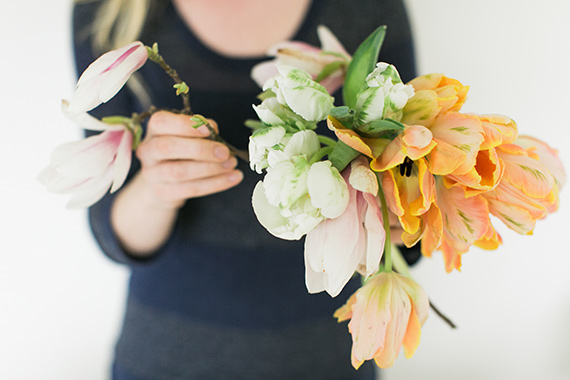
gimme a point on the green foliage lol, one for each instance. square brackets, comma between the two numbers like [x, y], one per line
[386, 128]
[344, 115]
[181, 88]
[362, 64]
[342, 155]
[329, 69]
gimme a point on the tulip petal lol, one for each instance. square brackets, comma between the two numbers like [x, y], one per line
[547, 157]
[349, 137]
[516, 218]
[375, 236]
[465, 220]
[400, 309]
[483, 177]
[361, 177]
[491, 240]
[263, 71]
[413, 333]
[458, 140]
[331, 248]
[329, 42]
[270, 216]
[497, 130]
[371, 317]
[527, 174]
[421, 109]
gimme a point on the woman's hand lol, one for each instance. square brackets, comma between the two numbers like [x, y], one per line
[179, 162]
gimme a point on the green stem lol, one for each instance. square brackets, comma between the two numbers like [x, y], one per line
[399, 263]
[386, 221]
[327, 141]
[320, 154]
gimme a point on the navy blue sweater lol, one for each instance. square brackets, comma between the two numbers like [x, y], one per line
[224, 299]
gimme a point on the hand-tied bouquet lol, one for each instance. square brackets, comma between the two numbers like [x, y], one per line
[404, 154]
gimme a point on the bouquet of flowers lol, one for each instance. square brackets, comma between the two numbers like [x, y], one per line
[403, 152]
[403, 155]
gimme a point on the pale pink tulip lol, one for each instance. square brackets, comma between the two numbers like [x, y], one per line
[307, 58]
[106, 76]
[385, 314]
[354, 241]
[89, 167]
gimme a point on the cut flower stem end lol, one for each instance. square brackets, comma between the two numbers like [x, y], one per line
[401, 267]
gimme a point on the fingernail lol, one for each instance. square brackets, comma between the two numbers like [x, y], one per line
[229, 163]
[221, 152]
[235, 176]
[203, 130]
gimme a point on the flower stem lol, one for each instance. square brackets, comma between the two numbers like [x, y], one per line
[327, 141]
[386, 221]
[154, 56]
[399, 262]
[320, 154]
[442, 316]
[182, 90]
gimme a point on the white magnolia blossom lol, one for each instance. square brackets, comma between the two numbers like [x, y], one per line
[296, 89]
[89, 167]
[106, 76]
[384, 95]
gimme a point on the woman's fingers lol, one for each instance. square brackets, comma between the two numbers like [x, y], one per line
[182, 171]
[179, 162]
[167, 123]
[173, 192]
[168, 147]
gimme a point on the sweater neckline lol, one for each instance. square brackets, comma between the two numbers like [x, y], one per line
[214, 56]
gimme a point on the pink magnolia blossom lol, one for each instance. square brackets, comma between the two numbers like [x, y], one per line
[89, 167]
[307, 58]
[354, 241]
[106, 76]
[385, 314]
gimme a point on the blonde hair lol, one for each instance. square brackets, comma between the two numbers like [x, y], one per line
[116, 24]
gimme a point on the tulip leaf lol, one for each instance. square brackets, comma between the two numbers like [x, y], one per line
[342, 155]
[254, 124]
[329, 69]
[362, 64]
[387, 128]
[266, 95]
[343, 115]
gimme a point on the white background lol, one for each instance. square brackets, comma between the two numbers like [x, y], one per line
[61, 300]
